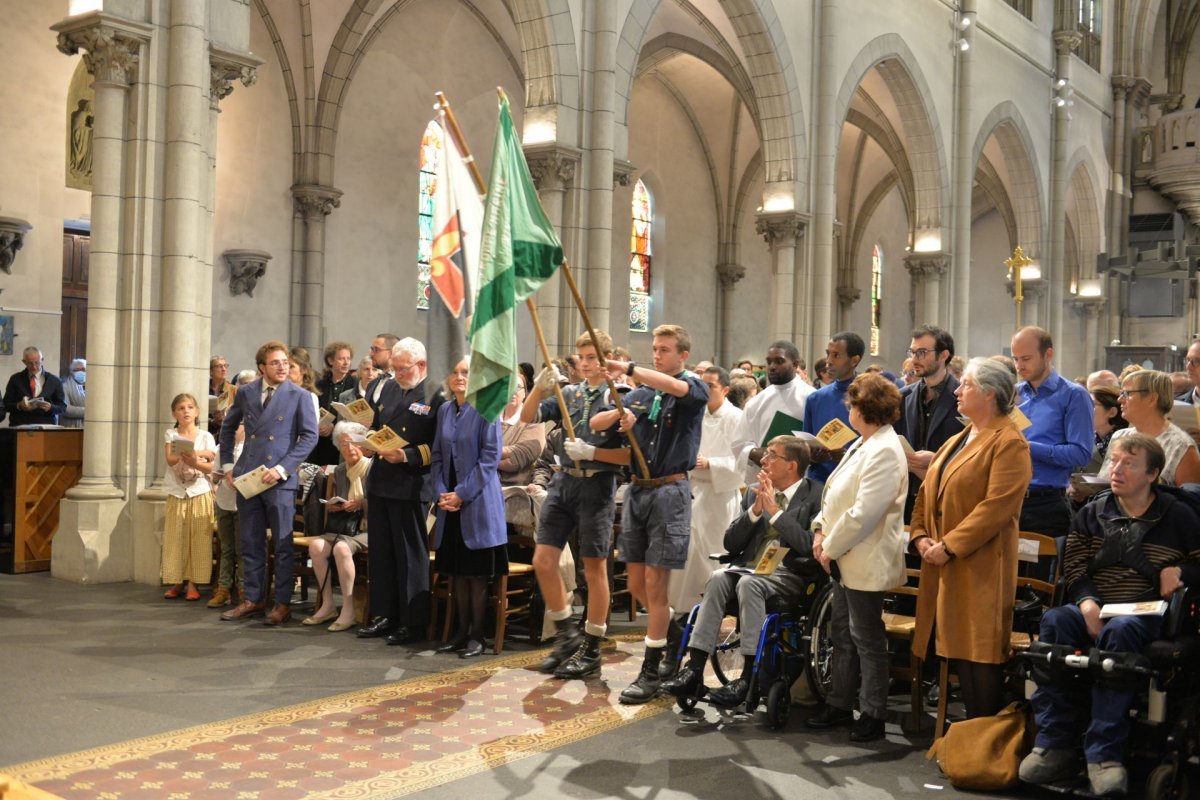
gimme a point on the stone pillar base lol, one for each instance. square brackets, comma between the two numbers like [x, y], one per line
[149, 518]
[93, 543]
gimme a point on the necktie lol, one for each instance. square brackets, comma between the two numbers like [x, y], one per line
[33, 385]
[270, 391]
[781, 500]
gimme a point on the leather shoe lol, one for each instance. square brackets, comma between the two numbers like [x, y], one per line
[686, 682]
[380, 626]
[279, 614]
[315, 620]
[220, 598]
[244, 609]
[866, 729]
[731, 694]
[829, 717]
[338, 627]
[474, 648]
[459, 642]
[402, 635]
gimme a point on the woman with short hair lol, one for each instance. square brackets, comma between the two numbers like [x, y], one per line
[1146, 398]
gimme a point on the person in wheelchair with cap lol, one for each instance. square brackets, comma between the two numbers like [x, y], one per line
[780, 508]
[1136, 544]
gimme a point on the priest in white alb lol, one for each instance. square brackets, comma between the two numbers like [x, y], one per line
[781, 404]
[716, 482]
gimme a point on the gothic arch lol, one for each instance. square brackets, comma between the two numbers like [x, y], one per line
[1024, 181]
[667, 45]
[897, 65]
[771, 75]
[1083, 211]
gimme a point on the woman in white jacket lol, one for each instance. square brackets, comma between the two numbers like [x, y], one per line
[860, 539]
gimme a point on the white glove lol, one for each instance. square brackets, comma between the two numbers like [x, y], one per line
[547, 379]
[579, 450]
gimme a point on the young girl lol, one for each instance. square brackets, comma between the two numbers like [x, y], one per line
[187, 537]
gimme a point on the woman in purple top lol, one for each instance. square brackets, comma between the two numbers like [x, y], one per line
[470, 536]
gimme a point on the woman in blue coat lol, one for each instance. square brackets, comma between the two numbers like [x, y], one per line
[470, 537]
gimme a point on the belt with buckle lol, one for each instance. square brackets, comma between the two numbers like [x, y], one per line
[1044, 491]
[654, 483]
[575, 472]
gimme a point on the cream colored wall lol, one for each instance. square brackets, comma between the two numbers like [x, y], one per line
[888, 229]
[993, 314]
[254, 207]
[33, 95]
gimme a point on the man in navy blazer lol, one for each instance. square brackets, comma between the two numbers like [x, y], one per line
[928, 408]
[34, 396]
[281, 430]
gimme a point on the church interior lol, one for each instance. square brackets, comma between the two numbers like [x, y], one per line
[187, 178]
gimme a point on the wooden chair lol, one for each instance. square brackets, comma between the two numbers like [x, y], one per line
[1036, 548]
[900, 628]
[510, 596]
[311, 521]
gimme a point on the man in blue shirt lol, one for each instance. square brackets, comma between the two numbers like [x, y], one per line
[842, 355]
[666, 414]
[1061, 433]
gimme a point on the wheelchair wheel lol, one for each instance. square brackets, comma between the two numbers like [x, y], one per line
[726, 657]
[686, 703]
[1167, 782]
[779, 705]
[819, 669]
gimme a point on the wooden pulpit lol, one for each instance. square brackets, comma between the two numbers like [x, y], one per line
[36, 469]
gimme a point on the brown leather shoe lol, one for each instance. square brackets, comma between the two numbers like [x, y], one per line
[244, 610]
[220, 598]
[279, 614]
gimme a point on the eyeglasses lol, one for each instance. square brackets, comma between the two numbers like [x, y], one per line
[920, 352]
[1192, 362]
[375, 349]
[220, 366]
[278, 363]
[769, 456]
[1126, 392]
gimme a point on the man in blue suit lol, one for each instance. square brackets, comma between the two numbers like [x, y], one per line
[281, 430]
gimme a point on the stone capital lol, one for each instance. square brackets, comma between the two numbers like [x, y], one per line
[729, 274]
[316, 202]
[1087, 307]
[227, 66]
[12, 239]
[780, 227]
[927, 265]
[1066, 41]
[848, 295]
[622, 172]
[245, 268]
[1031, 288]
[552, 165]
[112, 45]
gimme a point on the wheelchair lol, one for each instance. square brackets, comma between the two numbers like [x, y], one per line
[794, 638]
[1166, 710]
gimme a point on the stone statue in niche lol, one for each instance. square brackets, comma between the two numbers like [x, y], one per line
[245, 268]
[80, 124]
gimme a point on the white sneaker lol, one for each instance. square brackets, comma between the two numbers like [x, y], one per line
[1044, 765]
[1108, 778]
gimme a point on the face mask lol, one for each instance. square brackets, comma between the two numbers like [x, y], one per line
[80, 376]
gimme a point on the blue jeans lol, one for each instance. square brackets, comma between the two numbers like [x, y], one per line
[1062, 715]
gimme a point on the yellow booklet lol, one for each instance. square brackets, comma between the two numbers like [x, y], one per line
[252, 484]
[1019, 419]
[356, 411]
[382, 441]
[771, 557]
[326, 418]
[836, 434]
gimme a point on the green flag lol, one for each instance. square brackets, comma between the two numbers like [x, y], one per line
[518, 253]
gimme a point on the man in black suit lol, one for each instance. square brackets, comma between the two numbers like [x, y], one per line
[928, 408]
[396, 509]
[34, 396]
[780, 507]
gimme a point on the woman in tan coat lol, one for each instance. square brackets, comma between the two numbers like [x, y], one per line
[964, 526]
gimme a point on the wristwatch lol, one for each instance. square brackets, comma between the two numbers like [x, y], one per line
[630, 368]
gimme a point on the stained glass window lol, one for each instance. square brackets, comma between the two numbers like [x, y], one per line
[639, 259]
[876, 296]
[431, 151]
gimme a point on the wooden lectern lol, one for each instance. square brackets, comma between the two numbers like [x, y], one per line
[37, 466]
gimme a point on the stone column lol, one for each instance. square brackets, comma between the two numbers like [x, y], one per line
[601, 32]
[780, 231]
[819, 323]
[112, 57]
[728, 274]
[1089, 309]
[964, 179]
[1054, 272]
[1031, 309]
[313, 204]
[847, 296]
[553, 170]
[927, 271]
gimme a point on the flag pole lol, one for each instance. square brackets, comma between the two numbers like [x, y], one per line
[443, 105]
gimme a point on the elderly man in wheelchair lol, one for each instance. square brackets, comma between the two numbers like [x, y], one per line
[1136, 545]
[777, 511]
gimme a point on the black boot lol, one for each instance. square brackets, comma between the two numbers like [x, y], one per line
[645, 687]
[584, 662]
[566, 642]
[670, 660]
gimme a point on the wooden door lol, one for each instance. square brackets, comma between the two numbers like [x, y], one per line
[74, 299]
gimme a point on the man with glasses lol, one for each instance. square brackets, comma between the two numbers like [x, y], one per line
[398, 498]
[280, 430]
[34, 396]
[780, 508]
[1061, 431]
[1192, 395]
[928, 408]
[218, 384]
[381, 358]
[786, 393]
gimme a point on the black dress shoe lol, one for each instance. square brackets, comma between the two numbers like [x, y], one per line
[474, 648]
[731, 694]
[829, 717]
[380, 626]
[454, 645]
[687, 682]
[866, 729]
[401, 635]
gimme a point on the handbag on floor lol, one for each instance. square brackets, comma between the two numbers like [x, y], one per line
[984, 753]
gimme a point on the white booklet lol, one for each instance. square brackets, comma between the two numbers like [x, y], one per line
[251, 484]
[1146, 608]
[180, 445]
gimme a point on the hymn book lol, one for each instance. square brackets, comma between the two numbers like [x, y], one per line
[1147, 608]
[251, 484]
[356, 411]
[381, 441]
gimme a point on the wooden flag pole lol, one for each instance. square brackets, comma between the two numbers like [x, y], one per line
[443, 105]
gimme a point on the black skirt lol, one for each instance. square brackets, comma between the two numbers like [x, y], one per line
[455, 558]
